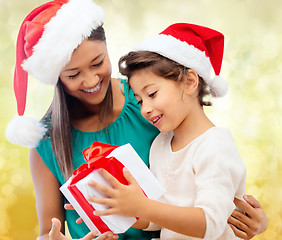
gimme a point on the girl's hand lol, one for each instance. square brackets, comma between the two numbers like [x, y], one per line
[55, 233]
[250, 224]
[125, 200]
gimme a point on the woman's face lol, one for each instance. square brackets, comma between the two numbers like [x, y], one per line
[88, 73]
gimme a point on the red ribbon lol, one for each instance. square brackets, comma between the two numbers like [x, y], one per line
[95, 156]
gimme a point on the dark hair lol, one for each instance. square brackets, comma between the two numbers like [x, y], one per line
[98, 34]
[60, 115]
[161, 66]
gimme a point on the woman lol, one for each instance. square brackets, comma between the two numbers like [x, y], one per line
[63, 43]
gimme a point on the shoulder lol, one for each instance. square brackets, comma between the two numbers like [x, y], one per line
[118, 96]
[125, 89]
[216, 142]
[121, 90]
[119, 85]
[161, 141]
[217, 138]
[217, 147]
[36, 162]
[44, 150]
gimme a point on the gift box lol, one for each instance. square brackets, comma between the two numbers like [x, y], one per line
[113, 159]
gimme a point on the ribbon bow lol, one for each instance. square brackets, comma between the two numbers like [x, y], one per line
[96, 157]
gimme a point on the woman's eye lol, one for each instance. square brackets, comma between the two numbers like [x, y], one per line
[73, 76]
[152, 94]
[98, 64]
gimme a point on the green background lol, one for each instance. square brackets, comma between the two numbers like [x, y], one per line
[252, 109]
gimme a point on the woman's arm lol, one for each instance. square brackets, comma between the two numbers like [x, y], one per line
[129, 200]
[55, 233]
[49, 200]
[49, 203]
[252, 223]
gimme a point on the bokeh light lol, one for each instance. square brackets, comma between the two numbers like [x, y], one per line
[252, 108]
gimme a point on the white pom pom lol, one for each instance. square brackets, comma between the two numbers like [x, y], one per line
[218, 86]
[25, 131]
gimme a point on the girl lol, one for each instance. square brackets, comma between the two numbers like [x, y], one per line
[197, 162]
[63, 43]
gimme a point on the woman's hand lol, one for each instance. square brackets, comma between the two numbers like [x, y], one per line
[55, 233]
[124, 200]
[250, 224]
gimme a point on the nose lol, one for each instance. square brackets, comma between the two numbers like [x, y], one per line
[146, 109]
[91, 79]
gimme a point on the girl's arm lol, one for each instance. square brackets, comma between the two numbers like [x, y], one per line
[129, 200]
[252, 223]
[49, 203]
[140, 224]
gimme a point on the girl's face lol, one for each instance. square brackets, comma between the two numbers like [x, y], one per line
[87, 75]
[163, 102]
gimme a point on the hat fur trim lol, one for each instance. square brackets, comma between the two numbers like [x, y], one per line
[179, 51]
[25, 131]
[72, 23]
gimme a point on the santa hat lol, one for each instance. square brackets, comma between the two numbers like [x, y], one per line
[193, 46]
[46, 41]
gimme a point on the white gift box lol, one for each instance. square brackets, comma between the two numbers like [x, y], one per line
[117, 224]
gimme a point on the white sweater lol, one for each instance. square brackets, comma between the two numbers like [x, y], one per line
[207, 173]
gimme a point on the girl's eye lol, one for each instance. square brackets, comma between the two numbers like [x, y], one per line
[73, 76]
[140, 102]
[152, 94]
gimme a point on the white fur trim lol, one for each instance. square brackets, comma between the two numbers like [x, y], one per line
[179, 51]
[25, 131]
[72, 24]
[218, 86]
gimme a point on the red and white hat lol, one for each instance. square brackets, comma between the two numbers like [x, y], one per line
[46, 41]
[193, 46]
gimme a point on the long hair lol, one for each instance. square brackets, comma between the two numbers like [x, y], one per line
[61, 117]
[161, 66]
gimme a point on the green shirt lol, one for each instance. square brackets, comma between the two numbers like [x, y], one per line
[129, 127]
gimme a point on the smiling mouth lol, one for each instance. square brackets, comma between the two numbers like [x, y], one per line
[156, 120]
[94, 90]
